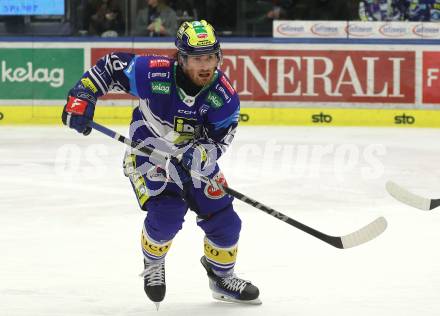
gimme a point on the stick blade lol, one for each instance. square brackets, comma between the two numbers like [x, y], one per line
[365, 234]
[408, 198]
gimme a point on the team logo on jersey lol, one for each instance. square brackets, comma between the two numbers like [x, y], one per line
[203, 109]
[184, 125]
[158, 74]
[227, 84]
[161, 87]
[213, 191]
[158, 63]
[186, 112]
[187, 128]
[87, 83]
[223, 92]
[157, 174]
[215, 100]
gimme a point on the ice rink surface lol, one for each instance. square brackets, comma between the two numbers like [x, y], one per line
[70, 225]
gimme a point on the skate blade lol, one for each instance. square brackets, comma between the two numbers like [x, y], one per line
[225, 298]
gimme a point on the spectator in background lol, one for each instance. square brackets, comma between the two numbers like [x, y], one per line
[435, 11]
[423, 10]
[261, 13]
[382, 10]
[184, 9]
[157, 19]
[418, 10]
[107, 21]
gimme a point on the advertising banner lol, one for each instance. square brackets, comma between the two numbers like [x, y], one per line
[325, 83]
[431, 77]
[312, 75]
[311, 29]
[322, 75]
[356, 29]
[39, 74]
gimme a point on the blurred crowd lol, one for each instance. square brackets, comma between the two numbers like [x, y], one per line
[399, 10]
[111, 18]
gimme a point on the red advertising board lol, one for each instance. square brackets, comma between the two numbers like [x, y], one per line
[313, 75]
[431, 77]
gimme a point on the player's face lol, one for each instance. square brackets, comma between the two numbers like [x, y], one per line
[200, 69]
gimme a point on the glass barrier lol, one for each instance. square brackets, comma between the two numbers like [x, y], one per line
[154, 18]
[119, 18]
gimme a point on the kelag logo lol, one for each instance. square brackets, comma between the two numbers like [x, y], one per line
[54, 77]
[243, 118]
[40, 73]
[322, 118]
[404, 119]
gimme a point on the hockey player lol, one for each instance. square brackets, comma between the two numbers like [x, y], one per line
[189, 109]
[381, 10]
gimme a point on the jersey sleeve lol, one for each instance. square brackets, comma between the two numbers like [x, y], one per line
[107, 75]
[123, 72]
[221, 119]
[143, 70]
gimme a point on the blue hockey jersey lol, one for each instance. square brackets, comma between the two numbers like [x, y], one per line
[165, 112]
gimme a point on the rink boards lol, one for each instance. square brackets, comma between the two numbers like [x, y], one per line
[283, 82]
[44, 115]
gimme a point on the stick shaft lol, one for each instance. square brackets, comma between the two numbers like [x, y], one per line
[331, 240]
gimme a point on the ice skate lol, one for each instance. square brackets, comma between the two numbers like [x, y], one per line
[154, 281]
[231, 288]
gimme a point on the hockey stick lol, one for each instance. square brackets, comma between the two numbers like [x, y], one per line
[403, 195]
[366, 233]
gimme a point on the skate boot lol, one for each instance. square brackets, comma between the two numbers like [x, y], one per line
[154, 280]
[231, 288]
